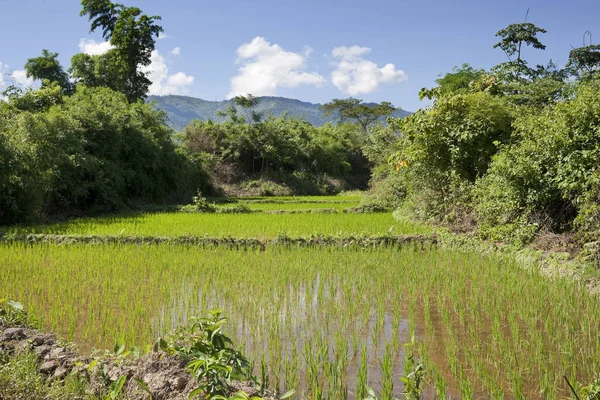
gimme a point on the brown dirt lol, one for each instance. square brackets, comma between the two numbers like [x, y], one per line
[557, 243]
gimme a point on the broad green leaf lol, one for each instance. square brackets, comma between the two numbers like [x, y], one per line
[287, 394]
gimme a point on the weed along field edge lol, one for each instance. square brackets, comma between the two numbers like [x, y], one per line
[369, 301]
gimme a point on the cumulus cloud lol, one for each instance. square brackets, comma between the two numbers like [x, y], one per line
[265, 67]
[162, 82]
[353, 74]
[20, 77]
[162, 36]
[176, 51]
[93, 48]
[3, 72]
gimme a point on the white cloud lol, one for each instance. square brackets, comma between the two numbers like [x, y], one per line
[20, 77]
[162, 82]
[176, 51]
[353, 74]
[265, 67]
[93, 48]
[162, 36]
[3, 83]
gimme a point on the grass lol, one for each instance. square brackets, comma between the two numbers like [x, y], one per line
[20, 378]
[301, 199]
[326, 320]
[233, 225]
[300, 206]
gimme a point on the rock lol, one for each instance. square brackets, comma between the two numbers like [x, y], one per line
[57, 352]
[179, 383]
[42, 350]
[38, 340]
[48, 367]
[60, 373]
[11, 334]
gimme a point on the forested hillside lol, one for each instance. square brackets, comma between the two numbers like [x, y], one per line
[181, 110]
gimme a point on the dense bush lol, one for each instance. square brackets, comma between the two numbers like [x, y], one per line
[549, 177]
[446, 147]
[91, 152]
[286, 154]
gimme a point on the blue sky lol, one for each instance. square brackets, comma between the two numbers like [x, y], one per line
[379, 50]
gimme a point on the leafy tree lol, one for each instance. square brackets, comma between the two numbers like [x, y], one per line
[35, 100]
[445, 148]
[549, 178]
[132, 34]
[248, 103]
[102, 70]
[515, 35]
[48, 69]
[457, 81]
[232, 113]
[513, 38]
[585, 61]
[352, 109]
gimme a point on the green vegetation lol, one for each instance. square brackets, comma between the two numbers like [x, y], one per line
[467, 312]
[329, 295]
[181, 110]
[509, 153]
[232, 225]
[282, 155]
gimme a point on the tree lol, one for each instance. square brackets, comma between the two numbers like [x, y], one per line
[132, 35]
[354, 109]
[48, 69]
[457, 81]
[585, 61]
[248, 103]
[514, 35]
[513, 38]
[103, 70]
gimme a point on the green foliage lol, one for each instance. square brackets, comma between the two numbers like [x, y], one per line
[248, 103]
[549, 176]
[92, 152]
[182, 110]
[592, 390]
[515, 35]
[585, 61]
[48, 69]
[99, 71]
[457, 81]
[132, 35]
[352, 109]
[210, 355]
[414, 380]
[286, 152]
[20, 379]
[445, 148]
[34, 100]
[12, 313]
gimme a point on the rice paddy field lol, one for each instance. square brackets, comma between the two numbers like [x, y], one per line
[260, 225]
[326, 321]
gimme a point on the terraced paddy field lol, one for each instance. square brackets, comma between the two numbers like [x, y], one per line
[327, 321]
[233, 225]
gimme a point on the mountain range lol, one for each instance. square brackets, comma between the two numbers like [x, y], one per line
[181, 110]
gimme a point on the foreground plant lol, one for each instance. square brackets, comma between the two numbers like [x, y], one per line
[210, 355]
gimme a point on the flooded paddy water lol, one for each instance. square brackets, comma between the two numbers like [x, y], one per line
[328, 322]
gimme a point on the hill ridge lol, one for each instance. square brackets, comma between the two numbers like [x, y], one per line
[181, 109]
